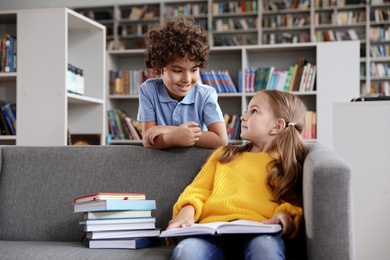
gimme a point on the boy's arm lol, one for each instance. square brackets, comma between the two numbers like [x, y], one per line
[161, 137]
[215, 136]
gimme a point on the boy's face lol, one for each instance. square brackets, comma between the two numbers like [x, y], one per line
[180, 76]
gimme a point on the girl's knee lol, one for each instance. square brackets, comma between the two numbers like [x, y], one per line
[266, 247]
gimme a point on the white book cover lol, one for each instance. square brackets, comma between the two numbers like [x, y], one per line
[233, 227]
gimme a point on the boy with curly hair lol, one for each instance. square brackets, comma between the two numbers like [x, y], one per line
[176, 109]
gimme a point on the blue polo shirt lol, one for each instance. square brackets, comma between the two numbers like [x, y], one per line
[199, 105]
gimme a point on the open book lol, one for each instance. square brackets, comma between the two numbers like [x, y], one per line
[233, 227]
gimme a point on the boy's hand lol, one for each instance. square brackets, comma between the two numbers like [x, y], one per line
[186, 134]
[285, 220]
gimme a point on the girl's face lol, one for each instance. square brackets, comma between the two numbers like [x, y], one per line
[258, 122]
[180, 76]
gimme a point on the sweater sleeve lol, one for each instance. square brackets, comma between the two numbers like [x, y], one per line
[199, 190]
[296, 214]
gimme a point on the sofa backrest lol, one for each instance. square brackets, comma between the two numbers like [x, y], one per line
[37, 184]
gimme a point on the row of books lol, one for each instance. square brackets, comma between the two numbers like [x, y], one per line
[122, 126]
[135, 29]
[229, 24]
[144, 12]
[379, 33]
[299, 77]
[234, 40]
[339, 3]
[8, 47]
[7, 118]
[117, 220]
[185, 9]
[287, 4]
[382, 50]
[379, 69]
[127, 82]
[220, 80]
[340, 18]
[285, 37]
[379, 15]
[338, 35]
[382, 88]
[310, 130]
[285, 20]
[233, 7]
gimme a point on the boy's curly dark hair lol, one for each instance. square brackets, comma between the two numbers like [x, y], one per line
[177, 37]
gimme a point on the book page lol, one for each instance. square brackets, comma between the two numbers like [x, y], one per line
[233, 227]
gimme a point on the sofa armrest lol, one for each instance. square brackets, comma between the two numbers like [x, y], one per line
[327, 205]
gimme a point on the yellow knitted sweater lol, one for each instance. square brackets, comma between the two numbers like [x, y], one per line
[234, 190]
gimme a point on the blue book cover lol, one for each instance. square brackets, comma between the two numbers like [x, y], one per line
[9, 117]
[102, 205]
[11, 54]
[130, 243]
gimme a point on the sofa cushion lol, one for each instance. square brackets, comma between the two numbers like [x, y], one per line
[38, 250]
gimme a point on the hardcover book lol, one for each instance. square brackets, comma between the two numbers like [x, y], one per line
[125, 226]
[214, 228]
[123, 234]
[101, 205]
[117, 214]
[116, 221]
[111, 196]
[133, 243]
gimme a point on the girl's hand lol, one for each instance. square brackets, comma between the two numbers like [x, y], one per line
[285, 220]
[185, 218]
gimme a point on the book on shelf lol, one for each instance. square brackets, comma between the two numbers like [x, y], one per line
[146, 224]
[311, 79]
[101, 205]
[309, 130]
[117, 214]
[3, 125]
[137, 12]
[301, 64]
[123, 234]
[129, 126]
[233, 227]
[122, 127]
[111, 195]
[117, 221]
[130, 243]
[8, 53]
[8, 111]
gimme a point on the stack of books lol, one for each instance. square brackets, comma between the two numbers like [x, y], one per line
[117, 220]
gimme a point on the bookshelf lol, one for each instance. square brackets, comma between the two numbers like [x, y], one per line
[278, 36]
[46, 111]
[8, 80]
[269, 23]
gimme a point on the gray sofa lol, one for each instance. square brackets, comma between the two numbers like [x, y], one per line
[37, 185]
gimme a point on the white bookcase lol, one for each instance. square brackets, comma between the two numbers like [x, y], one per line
[337, 76]
[8, 79]
[317, 20]
[49, 39]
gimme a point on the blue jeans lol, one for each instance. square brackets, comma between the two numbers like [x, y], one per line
[259, 247]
